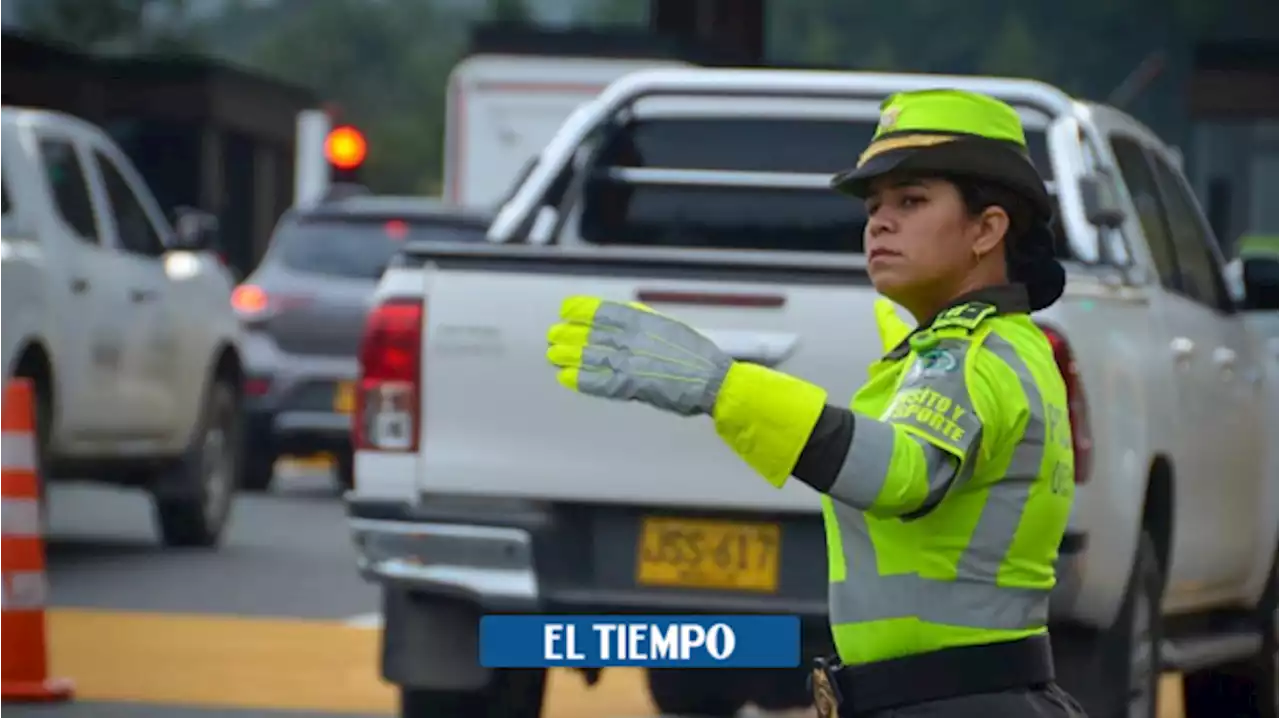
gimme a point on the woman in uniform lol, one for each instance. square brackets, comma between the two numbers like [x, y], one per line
[946, 482]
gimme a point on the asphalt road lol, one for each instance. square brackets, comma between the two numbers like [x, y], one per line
[143, 630]
[286, 554]
[273, 624]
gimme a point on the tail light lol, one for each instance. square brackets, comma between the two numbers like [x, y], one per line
[250, 301]
[255, 305]
[1077, 406]
[257, 386]
[387, 400]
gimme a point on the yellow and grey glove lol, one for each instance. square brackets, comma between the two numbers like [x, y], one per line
[629, 352]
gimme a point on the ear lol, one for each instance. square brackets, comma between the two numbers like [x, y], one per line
[992, 225]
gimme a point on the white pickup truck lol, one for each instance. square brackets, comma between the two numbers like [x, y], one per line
[123, 325]
[483, 486]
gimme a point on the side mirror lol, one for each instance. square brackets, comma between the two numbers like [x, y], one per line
[1101, 205]
[194, 230]
[1259, 279]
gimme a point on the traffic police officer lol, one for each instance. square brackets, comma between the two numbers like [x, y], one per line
[947, 486]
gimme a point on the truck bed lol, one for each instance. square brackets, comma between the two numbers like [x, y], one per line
[496, 422]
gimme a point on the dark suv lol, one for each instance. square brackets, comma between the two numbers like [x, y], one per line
[303, 310]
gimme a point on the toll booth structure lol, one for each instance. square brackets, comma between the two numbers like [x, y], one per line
[202, 133]
[1235, 156]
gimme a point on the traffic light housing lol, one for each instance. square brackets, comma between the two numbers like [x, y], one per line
[345, 150]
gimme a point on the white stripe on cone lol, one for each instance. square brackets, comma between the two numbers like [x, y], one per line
[23, 590]
[19, 518]
[365, 620]
[17, 451]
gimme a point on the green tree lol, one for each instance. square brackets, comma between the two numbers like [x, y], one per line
[615, 12]
[513, 11]
[119, 25]
[1014, 51]
[386, 66]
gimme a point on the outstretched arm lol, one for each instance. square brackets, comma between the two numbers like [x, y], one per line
[900, 464]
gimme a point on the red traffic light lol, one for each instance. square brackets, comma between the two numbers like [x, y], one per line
[345, 147]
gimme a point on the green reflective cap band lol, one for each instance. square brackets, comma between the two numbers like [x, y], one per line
[950, 111]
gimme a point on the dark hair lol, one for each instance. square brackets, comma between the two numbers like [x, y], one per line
[1029, 244]
[979, 194]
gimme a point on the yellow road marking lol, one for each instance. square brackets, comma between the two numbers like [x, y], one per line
[218, 661]
[288, 664]
[1171, 696]
[266, 664]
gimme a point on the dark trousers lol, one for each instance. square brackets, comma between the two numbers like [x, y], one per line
[1048, 701]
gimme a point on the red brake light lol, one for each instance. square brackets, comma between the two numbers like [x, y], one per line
[249, 300]
[396, 229]
[257, 386]
[1077, 406]
[386, 417]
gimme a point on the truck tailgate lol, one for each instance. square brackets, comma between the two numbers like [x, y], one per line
[496, 422]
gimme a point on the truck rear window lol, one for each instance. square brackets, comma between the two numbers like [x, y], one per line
[361, 247]
[651, 212]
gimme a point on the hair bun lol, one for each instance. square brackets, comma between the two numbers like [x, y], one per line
[1032, 264]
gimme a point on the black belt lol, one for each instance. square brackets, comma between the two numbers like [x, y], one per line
[948, 673]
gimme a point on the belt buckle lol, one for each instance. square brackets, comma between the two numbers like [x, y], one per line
[826, 695]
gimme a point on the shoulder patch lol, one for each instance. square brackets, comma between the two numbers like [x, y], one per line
[965, 316]
[934, 363]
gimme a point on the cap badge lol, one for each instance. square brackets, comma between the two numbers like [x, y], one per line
[889, 118]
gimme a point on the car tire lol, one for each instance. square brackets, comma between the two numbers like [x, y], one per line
[1116, 673]
[1241, 688]
[257, 469]
[193, 501]
[43, 408]
[510, 693]
[344, 470]
[693, 692]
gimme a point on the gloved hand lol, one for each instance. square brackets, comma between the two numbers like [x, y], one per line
[629, 352]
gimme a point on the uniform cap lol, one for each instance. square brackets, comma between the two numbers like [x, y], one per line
[942, 114]
[949, 132]
[953, 133]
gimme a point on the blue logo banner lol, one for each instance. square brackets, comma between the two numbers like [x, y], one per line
[520, 641]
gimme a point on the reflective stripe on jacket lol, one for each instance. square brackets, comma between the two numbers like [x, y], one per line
[950, 492]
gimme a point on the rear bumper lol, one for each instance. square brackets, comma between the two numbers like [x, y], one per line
[490, 566]
[532, 557]
[298, 432]
[521, 556]
[446, 562]
[294, 412]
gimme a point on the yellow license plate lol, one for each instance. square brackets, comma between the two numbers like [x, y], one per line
[707, 553]
[316, 462]
[344, 397]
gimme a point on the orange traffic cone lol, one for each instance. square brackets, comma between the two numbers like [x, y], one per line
[25, 674]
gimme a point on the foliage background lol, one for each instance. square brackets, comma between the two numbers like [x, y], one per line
[385, 62]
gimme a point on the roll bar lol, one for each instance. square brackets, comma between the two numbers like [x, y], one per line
[1063, 136]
